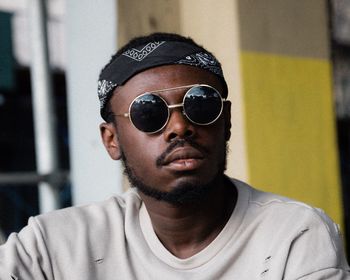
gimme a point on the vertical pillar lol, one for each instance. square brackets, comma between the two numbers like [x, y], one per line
[91, 40]
[287, 87]
[43, 105]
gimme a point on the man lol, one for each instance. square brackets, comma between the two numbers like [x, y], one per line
[163, 98]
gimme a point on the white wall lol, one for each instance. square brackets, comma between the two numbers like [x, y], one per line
[21, 31]
[91, 40]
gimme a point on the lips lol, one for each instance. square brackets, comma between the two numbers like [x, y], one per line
[183, 158]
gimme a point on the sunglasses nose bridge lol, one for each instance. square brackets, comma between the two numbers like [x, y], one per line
[174, 106]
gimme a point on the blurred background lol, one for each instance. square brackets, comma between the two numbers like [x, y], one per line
[287, 64]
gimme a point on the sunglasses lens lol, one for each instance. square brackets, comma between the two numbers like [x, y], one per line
[148, 113]
[202, 105]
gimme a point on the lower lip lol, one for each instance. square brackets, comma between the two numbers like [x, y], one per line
[184, 164]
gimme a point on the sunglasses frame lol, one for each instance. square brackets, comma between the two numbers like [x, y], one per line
[169, 107]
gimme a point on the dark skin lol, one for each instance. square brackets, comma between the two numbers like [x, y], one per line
[188, 228]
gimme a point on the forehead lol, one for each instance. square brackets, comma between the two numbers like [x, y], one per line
[163, 77]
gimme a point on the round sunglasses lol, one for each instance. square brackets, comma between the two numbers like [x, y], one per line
[150, 113]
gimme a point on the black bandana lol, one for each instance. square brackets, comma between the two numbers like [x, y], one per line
[150, 55]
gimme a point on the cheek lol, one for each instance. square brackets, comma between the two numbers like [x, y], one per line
[215, 139]
[139, 149]
[215, 134]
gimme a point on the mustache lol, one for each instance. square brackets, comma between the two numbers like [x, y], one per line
[180, 143]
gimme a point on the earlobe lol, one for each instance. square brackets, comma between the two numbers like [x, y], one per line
[227, 115]
[110, 140]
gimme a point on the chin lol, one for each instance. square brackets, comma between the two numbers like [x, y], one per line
[185, 191]
[189, 179]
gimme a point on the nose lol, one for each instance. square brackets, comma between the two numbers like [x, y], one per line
[178, 126]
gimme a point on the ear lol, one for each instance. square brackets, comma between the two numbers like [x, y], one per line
[110, 140]
[227, 117]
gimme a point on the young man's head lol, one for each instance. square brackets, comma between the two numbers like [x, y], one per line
[163, 99]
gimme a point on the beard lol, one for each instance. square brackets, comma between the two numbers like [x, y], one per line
[184, 193]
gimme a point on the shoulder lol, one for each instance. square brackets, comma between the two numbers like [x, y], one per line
[287, 218]
[99, 214]
[56, 241]
[309, 239]
[266, 203]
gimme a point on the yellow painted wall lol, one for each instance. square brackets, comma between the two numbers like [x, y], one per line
[290, 128]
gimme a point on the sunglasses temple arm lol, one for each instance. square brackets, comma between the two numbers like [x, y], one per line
[126, 115]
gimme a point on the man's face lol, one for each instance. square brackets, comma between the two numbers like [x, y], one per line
[182, 155]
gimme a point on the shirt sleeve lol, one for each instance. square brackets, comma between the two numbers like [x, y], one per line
[24, 255]
[318, 252]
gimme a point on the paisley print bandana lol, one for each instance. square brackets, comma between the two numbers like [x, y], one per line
[149, 55]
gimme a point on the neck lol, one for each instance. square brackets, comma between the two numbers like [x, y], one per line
[187, 229]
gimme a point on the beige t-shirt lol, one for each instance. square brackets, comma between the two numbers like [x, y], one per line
[266, 237]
